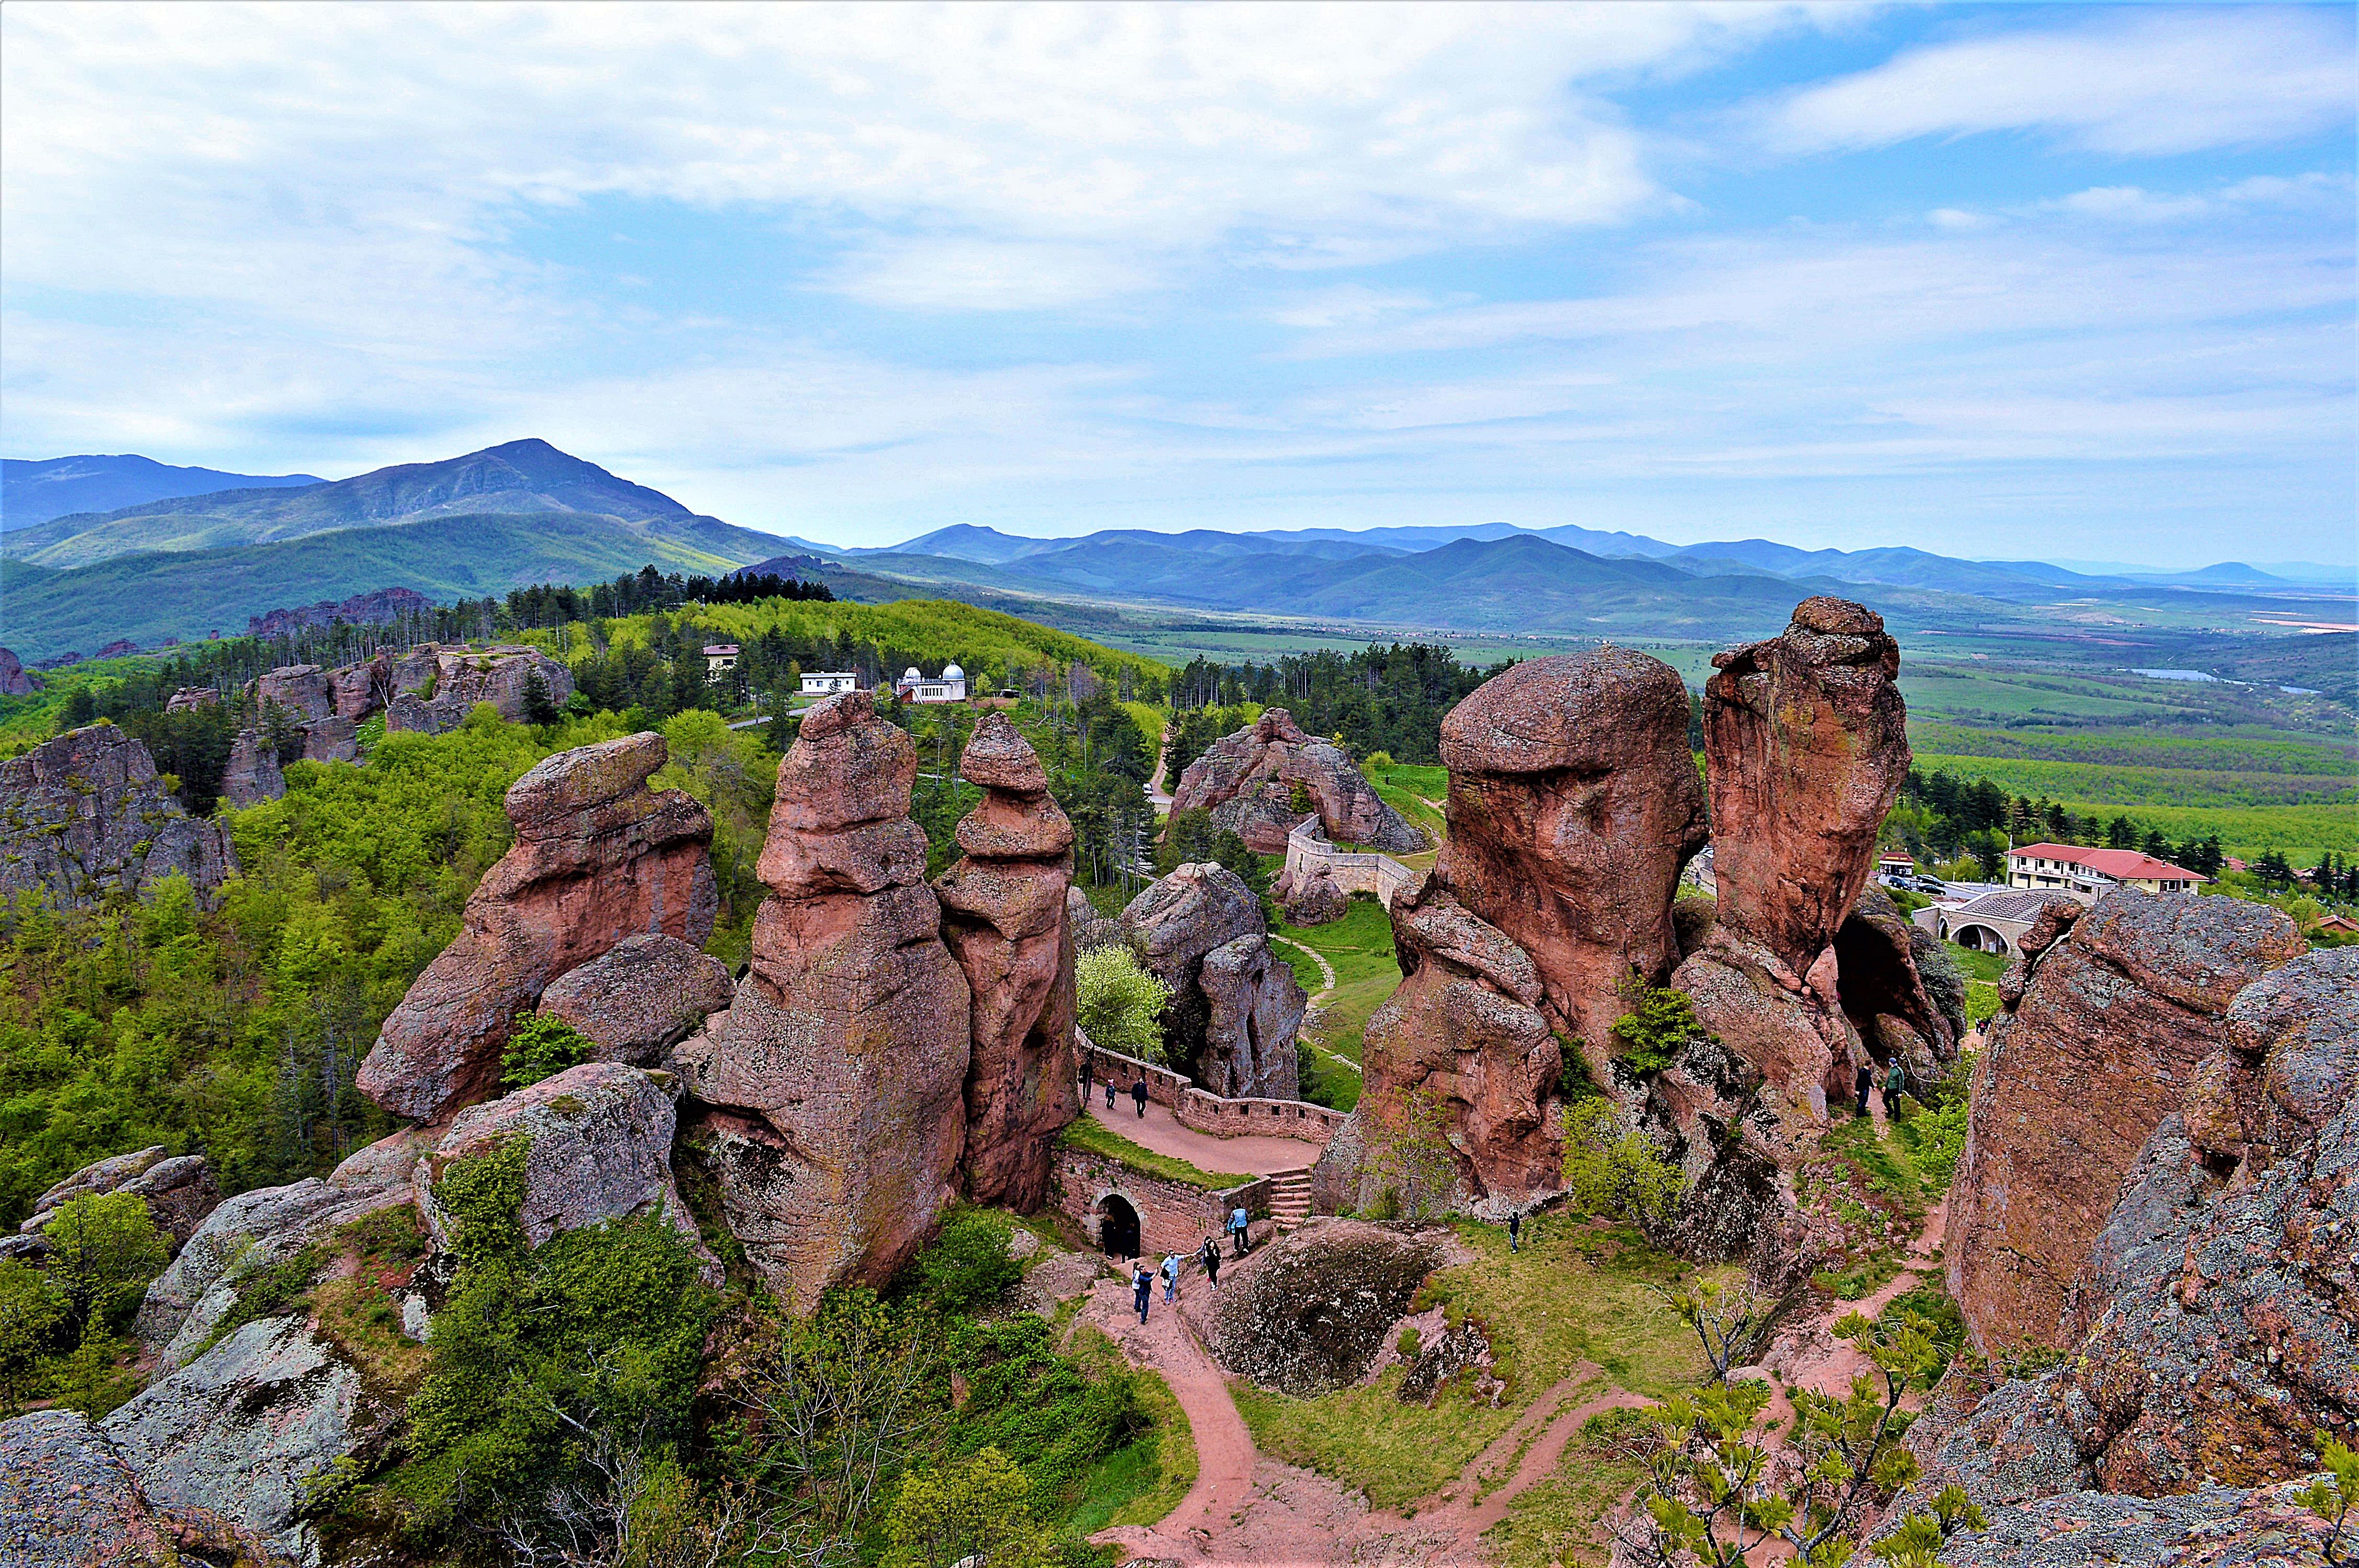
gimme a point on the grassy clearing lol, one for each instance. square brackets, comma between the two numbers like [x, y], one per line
[1094, 1137]
[1978, 966]
[1144, 1480]
[1576, 1293]
[1561, 1519]
[1360, 949]
[2122, 784]
[2242, 749]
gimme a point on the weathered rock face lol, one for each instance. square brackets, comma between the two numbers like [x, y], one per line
[1004, 919]
[1090, 928]
[250, 775]
[598, 856]
[68, 1500]
[85, 814]
[1309, 895]
[189, 697]
[1885, 994]
[1246, 781]
[179, 1190]
[331, 740]
[237, 1431]
[13, 681]
[1234, 1007]
[302, 689]
[1310, 1312]
[2099, 1041]
[601, 1150]
[461, 679]
[1807, 737]
[1574, 803]
[836, 1081]
[1465, 1031]
[642, 995]
[2212, 1332]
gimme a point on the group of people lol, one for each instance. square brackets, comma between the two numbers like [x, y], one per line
[1896, 1082]
[1089, 1084]
[1142, 1279]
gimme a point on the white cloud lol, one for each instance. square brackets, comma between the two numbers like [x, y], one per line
[2167, 79]
[943, 275]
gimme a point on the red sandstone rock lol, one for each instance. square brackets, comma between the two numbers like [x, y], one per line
[1235, 1008]
[2112, 1022]
[250, 775]
[463, 677]
[641, 995]
[598, 856]
[833, 1087]
[1247, 780]
[1309, 894]
[301, 689]
[85, 814]
[179, 1190]
[13, 681]
[1574, 803]
[1004, 918]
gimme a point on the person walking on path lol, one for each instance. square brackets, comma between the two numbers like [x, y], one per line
[1171, 1272]
[1109, 1091]
[1866, 1081]
[1142, 1290]
[1895, 1084]
[1212, 1261]
[1138, 1094]
[1238, 1226]
[1089, 1078]
[1515, 1230]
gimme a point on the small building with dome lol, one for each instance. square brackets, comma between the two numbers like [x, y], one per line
[948, 686]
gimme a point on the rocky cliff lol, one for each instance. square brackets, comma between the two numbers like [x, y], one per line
[598, 856]
[1235, 1007]
[1248, 782]
[834, 1087]
[85, 815]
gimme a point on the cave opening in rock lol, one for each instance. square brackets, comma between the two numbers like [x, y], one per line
[1118, 1226]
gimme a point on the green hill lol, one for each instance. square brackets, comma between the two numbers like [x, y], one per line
[189, 594]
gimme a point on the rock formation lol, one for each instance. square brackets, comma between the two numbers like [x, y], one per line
[1574, 803]
[1247, 782]
[1090, 928]
[85, 814]
[378, 607]
[303, 690]
[598, 856]
[835, 1083]
[250, 775]
[190, 698]
[1235, 1006]
[13, 681]
[2107, 1015]
[1004, 918]
[2212, 1334]
[1310, 1313]
[1308, 892]
[600, 1149]
[642, 995]
[68, 1500]
[179, 1190]
[461, 679]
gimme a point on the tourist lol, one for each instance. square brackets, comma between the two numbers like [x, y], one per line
[1238, 1226]
[1109, 1091]
[1895, 1084]
[1171, 1272]
[1089, 1078]
[1212, 1261]
[1138, 1094]
[1515, 1230]
[1142, 1290]
[1866, 1082]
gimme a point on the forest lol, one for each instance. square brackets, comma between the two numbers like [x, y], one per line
[1384, 697]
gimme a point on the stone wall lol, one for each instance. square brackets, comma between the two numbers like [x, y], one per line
[1207, 1112]
[1308, 847]
[1173, 1217]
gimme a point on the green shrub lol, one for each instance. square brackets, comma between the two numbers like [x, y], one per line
[1660, 1021]
[1617, 1173]
[1118, 1005]
[543, 1047]
[966, 1267]
[32, 1311]
[104, 1247]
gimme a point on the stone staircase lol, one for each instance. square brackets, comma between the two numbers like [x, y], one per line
[1289, 1201]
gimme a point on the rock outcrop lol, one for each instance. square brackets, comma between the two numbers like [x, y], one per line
[1310, 1313]
[1574, 803]
[461, 679]
[599, 1149]
[2106, 1017]
[2211, 1334]
[1307, 890]
[85, 815]
[640, 997]
[68, 1500]
[179, 1190]
[598, 856]
[1235, 1007]
[14, 680]
[1248, 780]
[834, 1085]
[378, 607]
[1090, 928]
[1004, 918]
[250, 775]
[303, 690]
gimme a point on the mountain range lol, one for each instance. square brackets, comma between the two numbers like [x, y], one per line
[34, 491]
[174, 564]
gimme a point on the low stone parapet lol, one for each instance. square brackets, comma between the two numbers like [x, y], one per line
[1204, 1111]
[1171, 1216]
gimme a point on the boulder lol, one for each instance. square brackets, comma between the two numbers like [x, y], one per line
[237, 1431]
[458, 678]
[2111, 1019]
[1247, 782]
[303, 690]
[1232, 1017]
[2218, 1527]
[189, 697]
[1808, 737]
[642, 995]
[1310, 1312]
[359, 690]
[179, 1190]
[85, 815]
[1307, 890]
[1090, 928]
[1574, 803]
[13, 681]
[833, 1090]
[598, 856]
[250, 775]
[600, 1149]
[1005, 920]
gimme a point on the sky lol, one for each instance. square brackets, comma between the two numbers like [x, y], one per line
[1996, 281]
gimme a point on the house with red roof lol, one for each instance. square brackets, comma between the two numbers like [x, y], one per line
[2086, 873]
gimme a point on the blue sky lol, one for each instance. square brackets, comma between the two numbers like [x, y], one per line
[2053, 280]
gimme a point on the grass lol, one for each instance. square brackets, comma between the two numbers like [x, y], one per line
[2120, 784]
[1144, 1480]
[1360, 949]
[1094, 1137]
[1574, 1293]
[1978, 966]
[1561, 1519]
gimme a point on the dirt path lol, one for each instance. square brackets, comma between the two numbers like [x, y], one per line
[1224, 1447]
[1325, 968]
[1156, 795]
[1159, 1131]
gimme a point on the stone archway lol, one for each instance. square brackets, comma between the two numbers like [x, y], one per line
[1981, 939]
[1118, 1226]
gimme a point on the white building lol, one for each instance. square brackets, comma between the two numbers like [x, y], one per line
[828, 683]
[950, 687]
[719, 656]
[2084, 874]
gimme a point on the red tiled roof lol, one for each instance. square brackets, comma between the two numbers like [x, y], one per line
[2122, 865]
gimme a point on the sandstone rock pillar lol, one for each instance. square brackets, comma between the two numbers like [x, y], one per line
[1004, 918]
